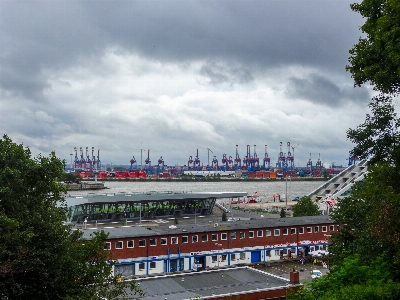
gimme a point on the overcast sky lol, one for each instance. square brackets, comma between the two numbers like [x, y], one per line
[177, 76]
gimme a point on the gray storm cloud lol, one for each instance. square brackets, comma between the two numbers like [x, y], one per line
[176, 75]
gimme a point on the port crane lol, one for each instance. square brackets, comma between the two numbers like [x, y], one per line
[266, 160]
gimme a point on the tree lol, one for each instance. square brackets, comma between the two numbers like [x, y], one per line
[378, 138]
[283, 213]
[305, 207]
[39, 257]
[376, 58]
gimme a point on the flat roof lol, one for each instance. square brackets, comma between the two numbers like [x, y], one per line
[221, 282]
[163, 228]
[150, 196]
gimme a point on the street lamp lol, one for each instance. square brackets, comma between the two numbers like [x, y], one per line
[286, 190]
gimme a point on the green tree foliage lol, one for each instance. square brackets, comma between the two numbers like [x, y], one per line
[39, 257]
[305, 207]
[376, 57]
[283, 213]
[378, 138]
[353, 280]
[224, 217]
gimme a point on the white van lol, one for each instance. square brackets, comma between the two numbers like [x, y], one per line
[316, 274]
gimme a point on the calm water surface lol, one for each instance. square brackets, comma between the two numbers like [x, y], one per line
[264, 189]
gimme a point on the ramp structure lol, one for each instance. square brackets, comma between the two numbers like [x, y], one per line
[340, 185]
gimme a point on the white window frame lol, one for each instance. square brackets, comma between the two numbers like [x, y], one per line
[107, 246]
[222, 236]
[260, 233]
[197, 238]
[133, 244]
[301, 230]
[316, 229]
[285, 231]
[214, 237]
[233, 235]
[153, 240]
[277, 232]
[324, 229]
[242, 235]
[292, 231]
[174, 242]
[268, 232]
[202, 238]
[309, 229]
[163, 241]
[187, 239]
[144, 243]
[331, 228]
[121, 243]
[251, 234]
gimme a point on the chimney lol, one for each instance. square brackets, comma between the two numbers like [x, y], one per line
[294, 277]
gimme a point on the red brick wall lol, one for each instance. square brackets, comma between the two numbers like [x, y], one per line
[210, 245]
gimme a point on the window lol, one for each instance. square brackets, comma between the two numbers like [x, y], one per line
[268, 233]
[259, 233]
[277, 252]
[130, 244]
[309, 230]
[214, 259]
[331, 228]
[242, 256]
[316, 229]
[233, 256]
[277, 232]
[153, 265]
[163, 241]
[285, 231]
[174, 240]
[301, 230]
[107, 246]
[141, 266]
[268, 253]
[185, 240]
[119, 245]
[204, 238]
[214, 237]
[142, 243]
[242, 235]
[233, 235]
[153, 242]
[195, 239]
[251, 234]
[324, 229]
[292, 230]
[223, 257]
[224, 236]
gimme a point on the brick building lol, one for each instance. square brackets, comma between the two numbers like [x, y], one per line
[153, 247]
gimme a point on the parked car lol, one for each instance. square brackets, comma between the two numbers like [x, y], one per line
[316, 274]
[231, 219]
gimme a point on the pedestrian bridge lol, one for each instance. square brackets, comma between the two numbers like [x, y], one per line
[340, 185]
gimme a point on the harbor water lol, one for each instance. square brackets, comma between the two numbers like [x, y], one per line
[265, 189]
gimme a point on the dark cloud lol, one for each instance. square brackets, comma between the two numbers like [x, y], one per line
[321, 90]
[217, 73]
[259, 34]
